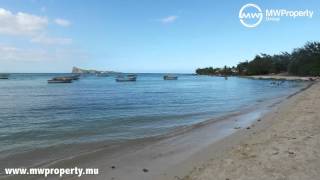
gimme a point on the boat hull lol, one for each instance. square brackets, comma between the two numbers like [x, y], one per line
[4, 76]
[126, 80]
[170, 78]
[60, 81]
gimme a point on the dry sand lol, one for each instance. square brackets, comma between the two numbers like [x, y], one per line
[283, 145]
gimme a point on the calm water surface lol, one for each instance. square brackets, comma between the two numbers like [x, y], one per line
[35, 114]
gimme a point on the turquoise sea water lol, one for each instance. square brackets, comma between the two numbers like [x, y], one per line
[34, 114]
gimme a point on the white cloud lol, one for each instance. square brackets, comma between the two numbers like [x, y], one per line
[31, 26]
[11, 53]
[33, 29]
[21, 23]
[43, 39]
[169, 19]
[62, 22]
[39, 59]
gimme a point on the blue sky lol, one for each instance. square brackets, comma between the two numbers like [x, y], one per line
[142, 35]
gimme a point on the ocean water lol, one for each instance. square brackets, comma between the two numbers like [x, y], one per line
[34, 114]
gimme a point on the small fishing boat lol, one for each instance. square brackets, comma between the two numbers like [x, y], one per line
[60, 80]
[127, 78]
[170, 77]
[4, 76]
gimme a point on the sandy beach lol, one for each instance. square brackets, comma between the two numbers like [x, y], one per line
[282, 145]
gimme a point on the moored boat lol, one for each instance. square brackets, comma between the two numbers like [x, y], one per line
[127, 78]
[170, 77]
[61, 80]
[4, 76]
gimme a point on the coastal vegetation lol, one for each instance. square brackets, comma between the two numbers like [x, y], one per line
[304, 61]
[217, 71]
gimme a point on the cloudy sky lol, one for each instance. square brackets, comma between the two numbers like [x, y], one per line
[142, 35]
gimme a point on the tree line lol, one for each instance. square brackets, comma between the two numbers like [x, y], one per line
[304, 61]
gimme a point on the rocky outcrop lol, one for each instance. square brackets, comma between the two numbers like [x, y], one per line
[77, 70]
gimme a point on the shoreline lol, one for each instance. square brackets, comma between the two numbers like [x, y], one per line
[283, 145]
[177, 138]
[100, 145]
[282, 78]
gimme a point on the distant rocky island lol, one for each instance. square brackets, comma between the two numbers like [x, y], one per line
[77, 70]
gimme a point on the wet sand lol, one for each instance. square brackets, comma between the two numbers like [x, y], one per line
[285, 144]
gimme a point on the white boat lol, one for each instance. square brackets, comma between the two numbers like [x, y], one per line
[61, 80]
[170, 77]
[127, 78]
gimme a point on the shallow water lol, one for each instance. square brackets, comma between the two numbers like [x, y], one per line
[35, 114]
